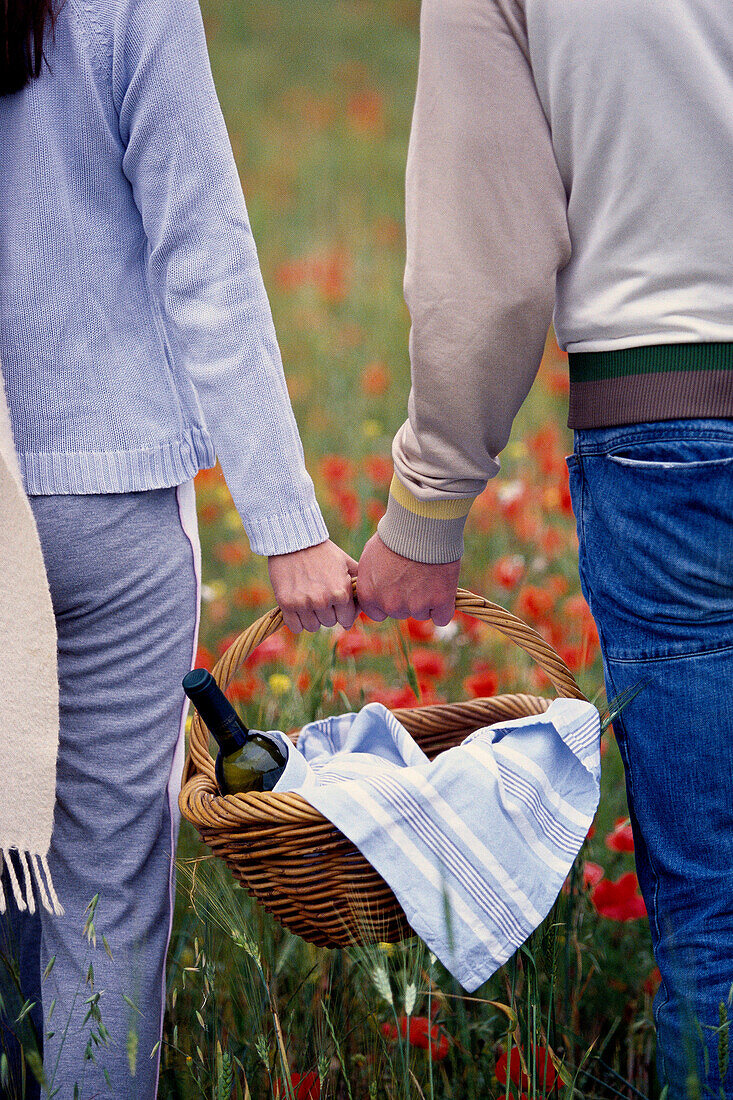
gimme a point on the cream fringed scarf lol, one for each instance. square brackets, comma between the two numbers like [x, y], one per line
[29, 692]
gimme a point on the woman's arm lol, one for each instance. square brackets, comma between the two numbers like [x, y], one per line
[203, 266]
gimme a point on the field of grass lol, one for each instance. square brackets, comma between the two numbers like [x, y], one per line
[318, 99]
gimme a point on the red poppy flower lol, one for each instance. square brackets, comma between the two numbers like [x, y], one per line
[374, 510]
[336, 469]
[354, 642]
[472, 628]
[340, 682]
[379, 470]
[303, 681]
[427, 662]
[512, 498]
[508, 571]
[204, 658]
[621, 839]
[557, 585]
[419, 630]
[348, 505]
[422, 1034]
[592, 874]
[566, 501]
[545, 1072]
[253, 594]
[553, 542]
[576, 657]
[328, 272]
[208, 512]
[231, 553]
[576, 607]
[208, 477]
[332, 276]
[306, 1086]
[534, 603]
[482, 681]
[245, 688]
[394, 698]
[546, 445]
[375, 383]
[557, 382]
[366, 111]
[274, 648]
[527, 526]
[652, 982]
[619, 900]
[291, 274]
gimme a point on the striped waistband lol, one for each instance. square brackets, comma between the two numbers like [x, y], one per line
[591, 366]
[658, 382]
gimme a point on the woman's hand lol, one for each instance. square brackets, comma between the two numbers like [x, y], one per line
[313, 587]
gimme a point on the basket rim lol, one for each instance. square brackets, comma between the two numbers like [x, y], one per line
[283, 809]
[198, 757]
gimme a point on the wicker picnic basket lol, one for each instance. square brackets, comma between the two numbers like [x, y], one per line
[292, 859]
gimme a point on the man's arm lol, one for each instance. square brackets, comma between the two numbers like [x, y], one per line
[486, 234]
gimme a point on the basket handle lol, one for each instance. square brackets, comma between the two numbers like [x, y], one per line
[479, 608]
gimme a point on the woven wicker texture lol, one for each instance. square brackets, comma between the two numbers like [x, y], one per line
[287, 855]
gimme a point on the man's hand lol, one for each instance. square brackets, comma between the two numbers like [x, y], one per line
[313, 587]
[390, 585]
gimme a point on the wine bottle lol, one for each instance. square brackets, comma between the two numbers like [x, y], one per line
[248, 760]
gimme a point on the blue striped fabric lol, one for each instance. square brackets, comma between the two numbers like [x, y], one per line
[477, 843]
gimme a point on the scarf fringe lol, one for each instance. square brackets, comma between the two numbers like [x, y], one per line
[35, 868]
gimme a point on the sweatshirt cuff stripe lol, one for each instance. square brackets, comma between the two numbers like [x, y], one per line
[421, 538]
[458, 508]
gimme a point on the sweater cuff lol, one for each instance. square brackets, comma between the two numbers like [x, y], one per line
[284, 534]
[429, 531]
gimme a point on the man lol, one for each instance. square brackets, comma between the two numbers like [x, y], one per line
[578, 156]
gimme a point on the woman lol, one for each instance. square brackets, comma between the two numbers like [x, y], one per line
[137, 345]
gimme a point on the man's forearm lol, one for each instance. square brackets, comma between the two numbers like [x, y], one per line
[486, 234]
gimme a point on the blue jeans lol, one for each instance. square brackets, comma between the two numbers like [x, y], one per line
[654, 509]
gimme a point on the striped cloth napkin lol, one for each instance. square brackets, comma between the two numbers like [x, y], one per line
[475, 844]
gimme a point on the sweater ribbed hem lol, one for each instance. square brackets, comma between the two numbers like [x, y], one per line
[284, 534]
[421, 538]
[172, 463]
[660, 382]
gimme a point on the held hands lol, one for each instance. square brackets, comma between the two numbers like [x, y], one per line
[313, 587]
[390, 585]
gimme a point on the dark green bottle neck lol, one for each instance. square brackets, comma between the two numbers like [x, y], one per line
[216, 712]
[230, 734]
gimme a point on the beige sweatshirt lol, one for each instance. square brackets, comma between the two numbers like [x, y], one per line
[571, 156]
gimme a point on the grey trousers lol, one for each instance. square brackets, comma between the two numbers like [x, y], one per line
[124, 572]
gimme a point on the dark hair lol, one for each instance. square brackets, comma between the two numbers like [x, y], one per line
[23, 25]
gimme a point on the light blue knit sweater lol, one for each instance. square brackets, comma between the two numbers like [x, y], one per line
[136, 336]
